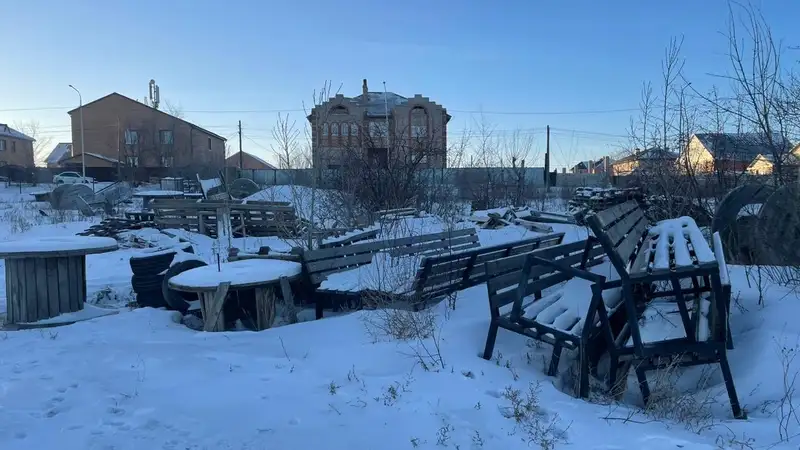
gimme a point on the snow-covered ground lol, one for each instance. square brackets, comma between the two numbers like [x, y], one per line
[140, 379]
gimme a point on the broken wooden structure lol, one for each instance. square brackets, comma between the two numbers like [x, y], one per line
[254, 218]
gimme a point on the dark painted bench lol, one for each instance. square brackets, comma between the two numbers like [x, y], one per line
[321, 263]
[667, 259]
[444, 274]
[555, 296]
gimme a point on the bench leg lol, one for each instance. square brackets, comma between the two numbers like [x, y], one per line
[728, 377]
[552, 370]
[583, 376]
[490, 340]
[318, 307]
[644, 387]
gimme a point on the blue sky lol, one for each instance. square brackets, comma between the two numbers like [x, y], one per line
[514, 57]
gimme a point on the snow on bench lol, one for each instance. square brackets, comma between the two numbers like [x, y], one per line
[565, 308]
[674, 243]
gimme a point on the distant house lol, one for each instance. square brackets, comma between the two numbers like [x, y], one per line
[16, 149]
[733, 152]
[375, 121]
[249, 161]
[119, 129]
[643, 161]
[765, 164]
[591, 166]
[61, 152]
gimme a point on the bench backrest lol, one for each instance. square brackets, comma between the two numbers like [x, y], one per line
[320, 263]
[443, 274]
[505, 274]
[452, 240]
[620, 230]
[350, 238]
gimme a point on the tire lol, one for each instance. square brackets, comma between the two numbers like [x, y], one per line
[179, 301]
[60, 182]
[152, 299]
[151, 264]
[146, 283]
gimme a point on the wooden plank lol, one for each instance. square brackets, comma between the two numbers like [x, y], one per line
[40, 280]
[354, 249]
[74, 281]
[515, 262]
[610, 215]
[265, 307]
[12, 292]
[434, 245]
[432, 237]
[53, 300]
[286, 291]
[81, 262]
[63, 284]
[618, 231]
[337, 263]
[25, 269]
[626, 248]
[719, 254]
[215, 321]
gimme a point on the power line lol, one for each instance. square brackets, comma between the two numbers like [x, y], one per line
[273, 111]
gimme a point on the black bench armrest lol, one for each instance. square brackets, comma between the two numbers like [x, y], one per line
[579, 273]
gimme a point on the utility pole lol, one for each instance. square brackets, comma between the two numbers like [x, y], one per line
[119, 155]
[241, 156]
[547, 163]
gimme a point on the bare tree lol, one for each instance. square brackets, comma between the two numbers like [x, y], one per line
[174, 109]
[286, 147]
[42, 143]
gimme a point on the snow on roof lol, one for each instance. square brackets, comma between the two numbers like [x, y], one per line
[261, 160]
[737, 145]
[59, 152]
[7, 131]
[376, 102]
[105, 158]
[235, 158]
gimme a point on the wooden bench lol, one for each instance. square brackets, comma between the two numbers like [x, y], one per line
[441, 275]
[555, 296]
[321, 263]
[668, 259]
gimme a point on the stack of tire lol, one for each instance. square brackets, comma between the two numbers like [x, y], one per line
[151, 269]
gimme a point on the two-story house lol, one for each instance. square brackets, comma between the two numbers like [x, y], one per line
[644, 161]
[378, 127]
[16, 149]
[731, 152]
[591, 166]
[121, 130]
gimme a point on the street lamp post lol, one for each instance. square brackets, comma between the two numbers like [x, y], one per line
[83, 149]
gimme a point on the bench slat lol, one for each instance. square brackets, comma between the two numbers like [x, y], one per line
[620, 229]
[628, 245]
[608, 216]
[435, 245]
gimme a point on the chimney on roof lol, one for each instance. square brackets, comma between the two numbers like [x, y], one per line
[364, 89]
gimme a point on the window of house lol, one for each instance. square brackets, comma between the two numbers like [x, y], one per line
[325, 129]
[13, 146]
[167, 161]
[378, 129]
[165, 137]
[335, 129]
[132, 161]
[345, 129]
[2, 145]
[131, 137]
[209, 143]
[419, 123]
